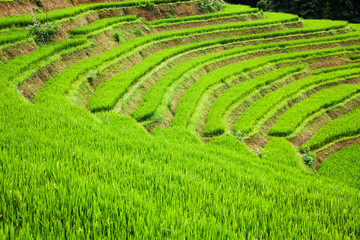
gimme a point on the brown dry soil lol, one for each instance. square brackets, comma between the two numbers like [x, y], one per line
[21, 7]
[15, 50]
[332, 149]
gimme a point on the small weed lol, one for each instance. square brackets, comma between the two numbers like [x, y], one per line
[192, 39]
[119, 37]
[210, 6]
[92, 77]
[43, 34]
[308, 156]
[148, 5]
[116, 37]
[227, 85]
[39, 3]
[240, 136]
[168, 14]
[159, 118]
[247, 104]
[137, 32]
[261, 153]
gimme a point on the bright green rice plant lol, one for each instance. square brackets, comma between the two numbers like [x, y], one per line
[345, 126]
[102, 23]
[295, 115]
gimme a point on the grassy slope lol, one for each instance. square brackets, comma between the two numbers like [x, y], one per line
[66, 173]
[343, 166]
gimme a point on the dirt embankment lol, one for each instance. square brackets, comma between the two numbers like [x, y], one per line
[21, 7]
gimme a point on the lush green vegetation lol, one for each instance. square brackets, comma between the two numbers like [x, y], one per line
[262, 106]
[108, 93]
[13, 36]
[190, 99]
[215, 124]
[13, 68]
[142, 177]
[102, 23]
[343, 166]
[292, 118]
[75, 162]
[280, 151]
[153, 97]
[62, 82]
[346, 125]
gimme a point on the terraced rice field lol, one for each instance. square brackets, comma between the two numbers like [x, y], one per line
[134, 125]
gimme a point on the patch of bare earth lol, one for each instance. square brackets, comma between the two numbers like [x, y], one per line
[331, 150]
[161, 10]
[15, 8]
[16, 50]
[21, 7]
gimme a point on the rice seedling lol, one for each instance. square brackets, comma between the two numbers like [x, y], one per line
[293, 117]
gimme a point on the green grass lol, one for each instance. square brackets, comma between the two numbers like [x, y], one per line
[152, 98]
[247, 120]
[12, 68]
[295, 115]
[318, 23]
[61, 83]
[102, 23]
[111, 179]
[67, 173]
[356, 27]
[109, 92]
[189, 101]
[13, 36]
[344, 126]
[355, 57]
[215, 124]
[280, 151]
[343, 166]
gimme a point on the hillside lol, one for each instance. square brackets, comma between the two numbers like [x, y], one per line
[170, 119]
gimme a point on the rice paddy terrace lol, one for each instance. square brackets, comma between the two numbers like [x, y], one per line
[158, 120]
